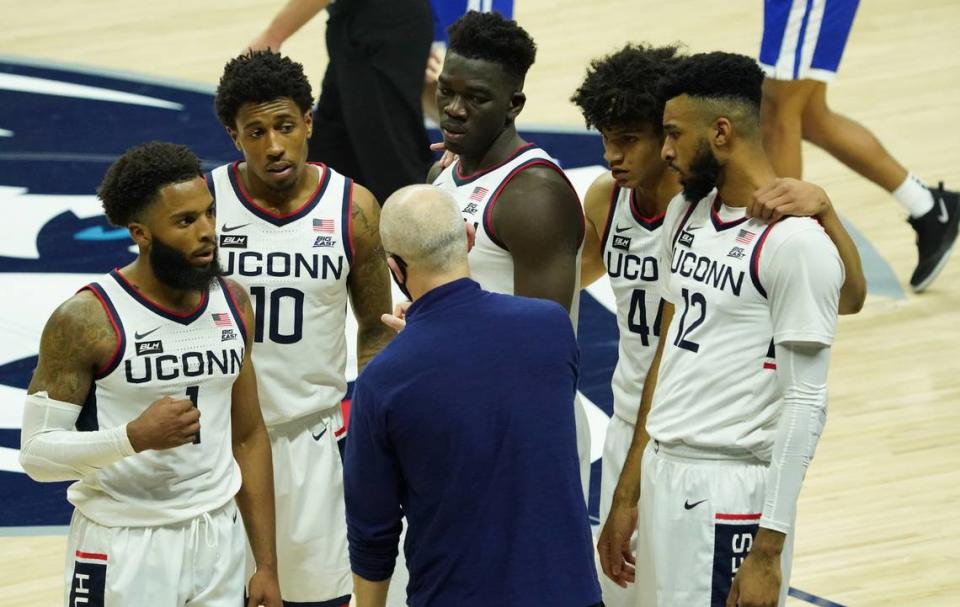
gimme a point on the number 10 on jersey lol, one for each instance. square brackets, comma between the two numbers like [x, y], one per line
[285, 303]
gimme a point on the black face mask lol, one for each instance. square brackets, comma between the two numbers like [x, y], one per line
[402, 265]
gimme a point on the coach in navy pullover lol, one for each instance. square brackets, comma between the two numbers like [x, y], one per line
[464, 424]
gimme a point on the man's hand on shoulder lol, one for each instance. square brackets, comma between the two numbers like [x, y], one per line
[787, 196]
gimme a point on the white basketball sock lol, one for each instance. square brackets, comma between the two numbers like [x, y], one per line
[914, 196]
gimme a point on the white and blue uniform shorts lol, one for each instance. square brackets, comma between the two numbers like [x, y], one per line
[195, 562]
[697, 521]
[804, 39]
[312, 560]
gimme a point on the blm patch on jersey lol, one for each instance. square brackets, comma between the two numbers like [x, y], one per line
[621, 242]
[686, 239]
[233, 241]
[149, 347]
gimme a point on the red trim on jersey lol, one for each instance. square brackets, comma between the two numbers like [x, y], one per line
[345, 411]
[138, 293]
[456, 169]
[310, 199]
[755, 260]
[488, 212]
[235, 308]
[737, 517]
[97, 556]
[114, 358]
[770, 366]
[647, 222]
[718, 222]
[691, 206]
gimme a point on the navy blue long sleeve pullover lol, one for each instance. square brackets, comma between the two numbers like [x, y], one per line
[465, 425]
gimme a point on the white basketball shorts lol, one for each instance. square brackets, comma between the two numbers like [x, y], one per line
[198, 561]
[698, 518]
[312, 559]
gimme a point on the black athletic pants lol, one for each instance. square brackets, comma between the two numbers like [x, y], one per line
[368, 123]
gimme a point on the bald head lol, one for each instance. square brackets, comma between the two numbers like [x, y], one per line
[423, 225]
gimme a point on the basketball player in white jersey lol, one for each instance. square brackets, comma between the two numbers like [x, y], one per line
[302, 240]
[740, 376]
[528, 219]
[144, 394]
[624, 211]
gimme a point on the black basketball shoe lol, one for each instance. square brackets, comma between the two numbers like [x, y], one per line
[936, 234]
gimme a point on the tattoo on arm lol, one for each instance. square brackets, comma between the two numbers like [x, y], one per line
[77, 340]
[369, 280]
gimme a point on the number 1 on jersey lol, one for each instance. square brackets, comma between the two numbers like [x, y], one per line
[192, 393]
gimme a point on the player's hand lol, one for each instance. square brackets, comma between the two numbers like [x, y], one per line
[616, 558]
[788, 196]
[167, 423]
[448, 156]
[263, 42]
[434, 66]
[396, 321]
[757, 583]
[264, 589]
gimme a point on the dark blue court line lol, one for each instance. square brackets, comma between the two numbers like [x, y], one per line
[812, 598]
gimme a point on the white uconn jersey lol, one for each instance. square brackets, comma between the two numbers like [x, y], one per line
[631, 249]
[491, 264]
[295, 268]
[195, 356]
[717, 387]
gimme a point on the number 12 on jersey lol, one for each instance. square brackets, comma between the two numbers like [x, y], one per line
[690, 301]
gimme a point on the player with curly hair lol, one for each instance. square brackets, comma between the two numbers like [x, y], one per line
[145, 395]
[302, 240]
[735, 396]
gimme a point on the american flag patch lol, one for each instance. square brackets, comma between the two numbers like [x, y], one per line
[478, 193]
[222, 320]
[323, 225]
[745, 236]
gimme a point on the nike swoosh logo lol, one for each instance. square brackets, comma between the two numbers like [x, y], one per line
[142, 335]
[690, 506]
[944, 216]
[691, 228]
[619, 229]
[318, 436]
[232, 228]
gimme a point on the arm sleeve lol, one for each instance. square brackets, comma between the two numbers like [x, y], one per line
[371, 489]
[803, 274]
[51, 449]
[802, 373]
